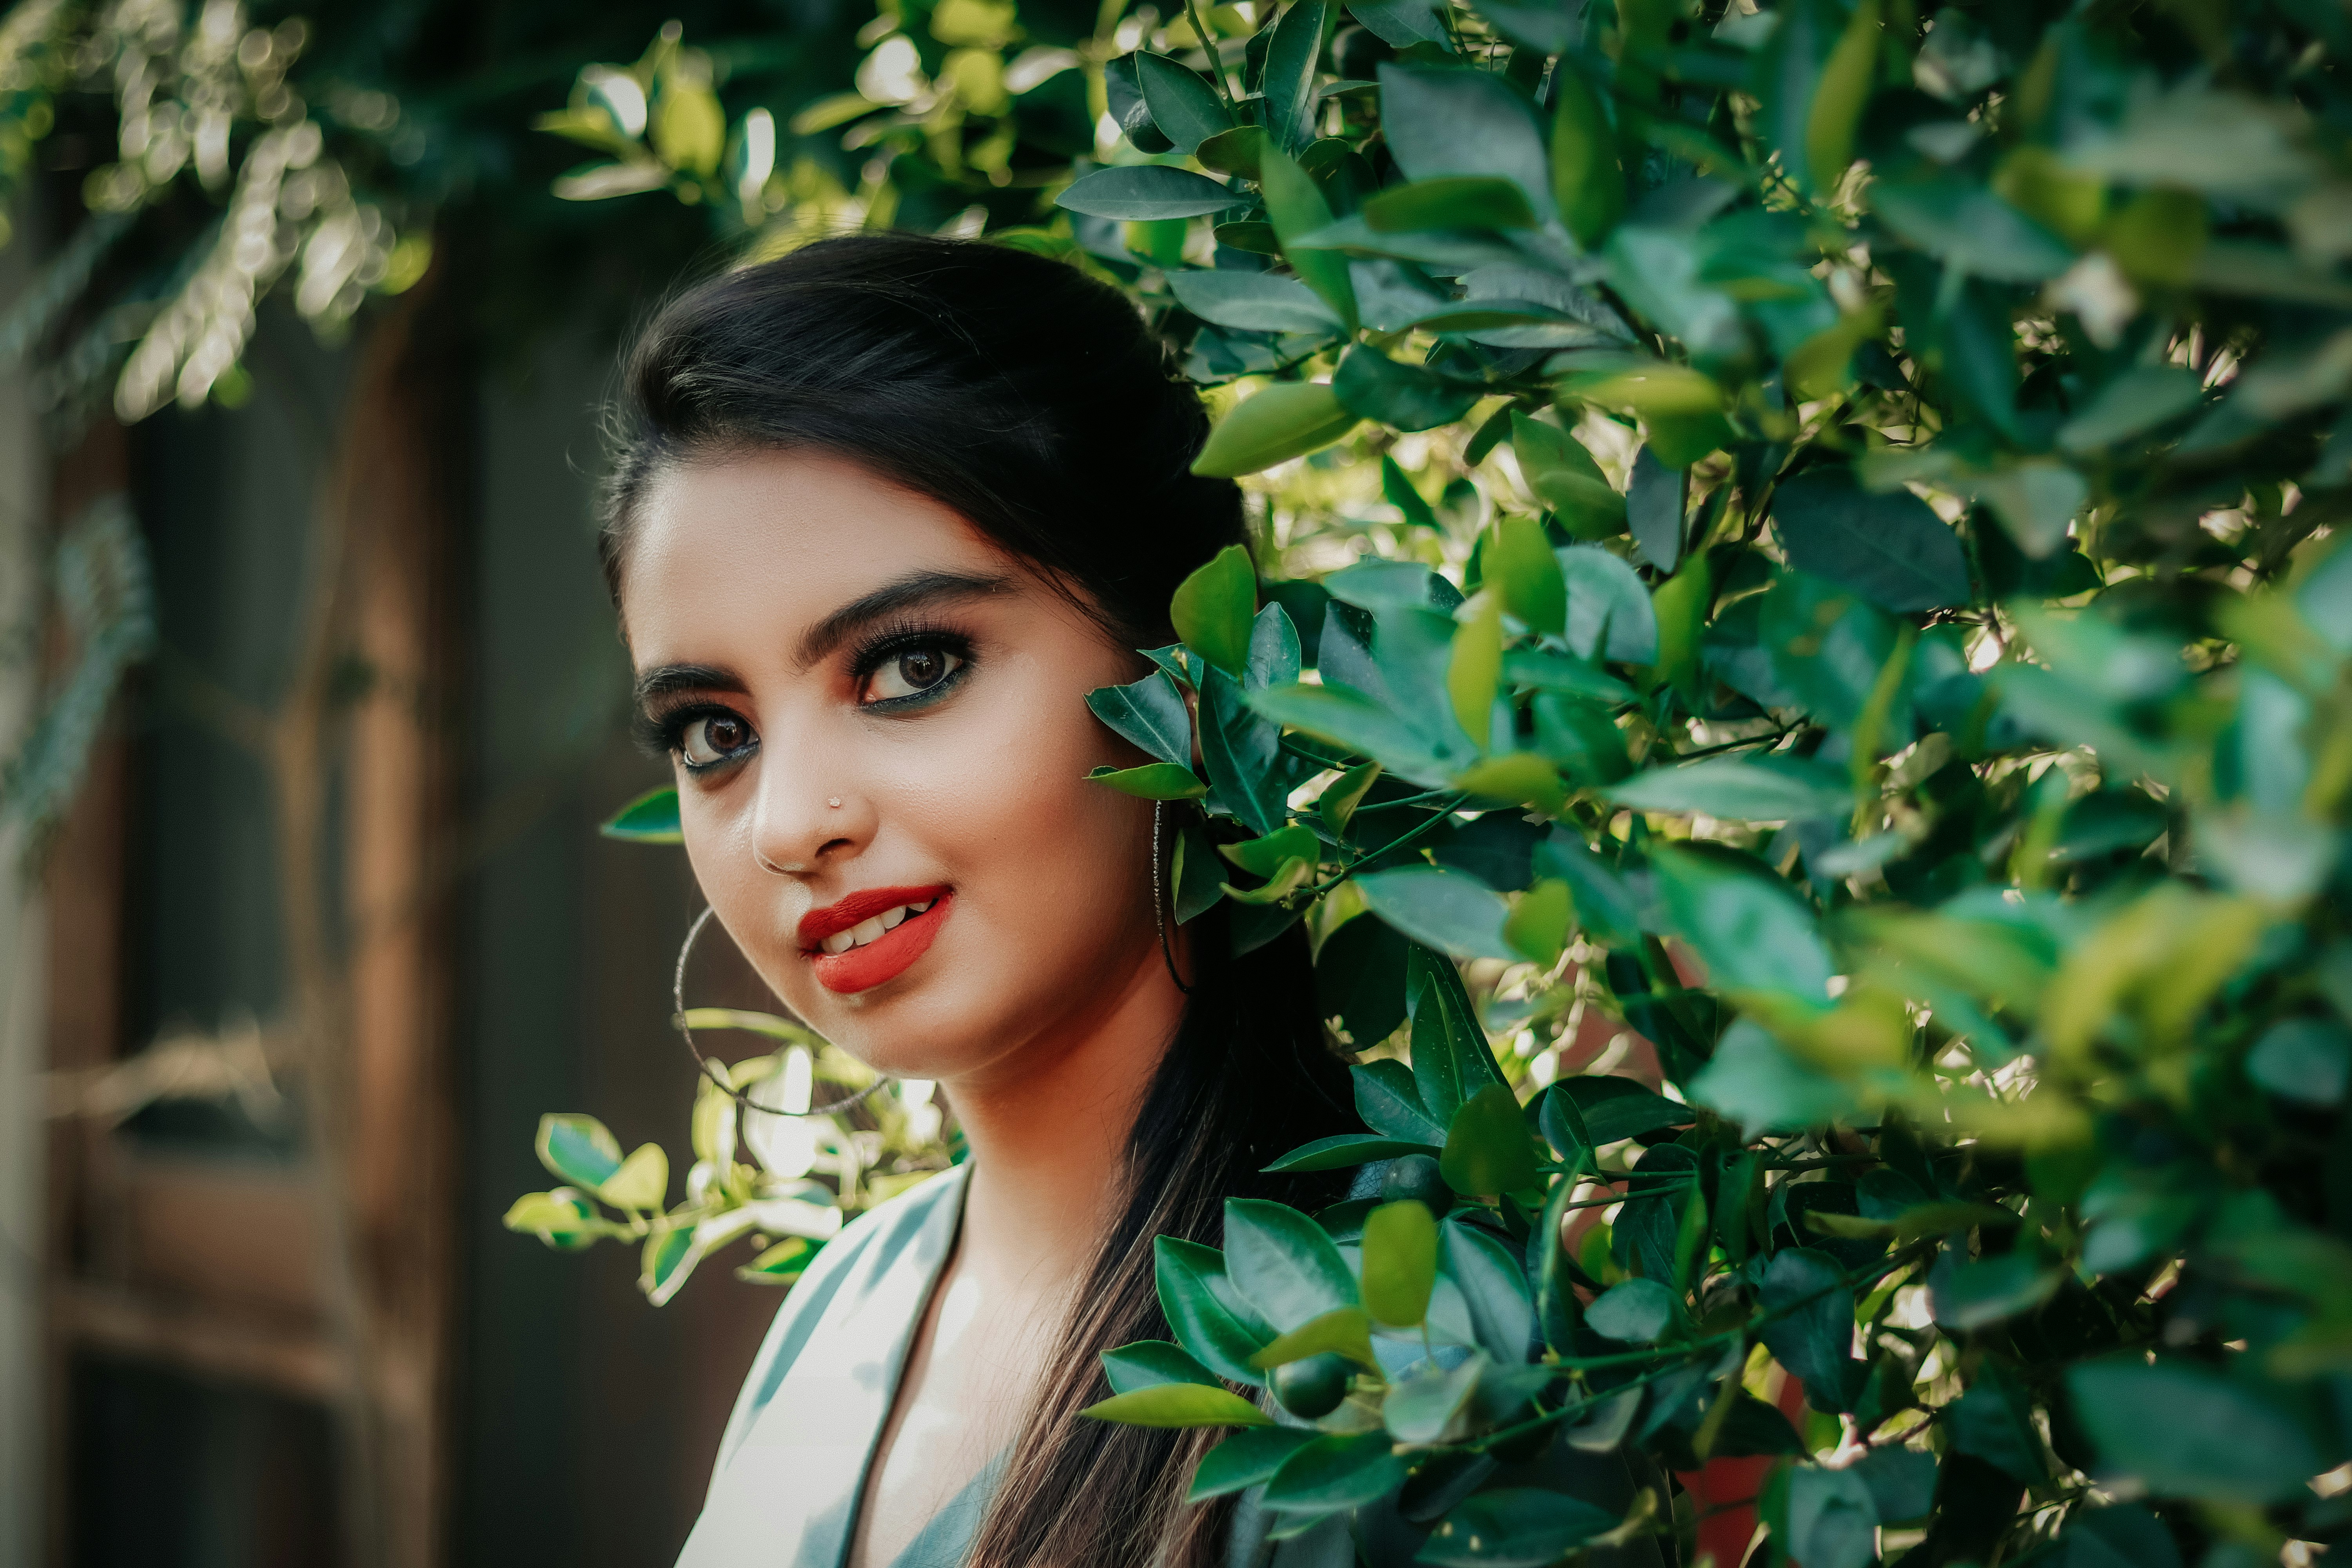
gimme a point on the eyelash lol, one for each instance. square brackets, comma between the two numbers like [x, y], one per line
[887, 643]
[664, 734]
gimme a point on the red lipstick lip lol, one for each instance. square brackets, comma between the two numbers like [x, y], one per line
[835, 918]
[889, 955]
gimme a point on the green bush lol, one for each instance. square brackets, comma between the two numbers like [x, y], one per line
[1830, 512]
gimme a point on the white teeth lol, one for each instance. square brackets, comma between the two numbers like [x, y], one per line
[866, 931]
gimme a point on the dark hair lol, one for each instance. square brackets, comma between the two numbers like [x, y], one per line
[1015, 390]
[1030, 399]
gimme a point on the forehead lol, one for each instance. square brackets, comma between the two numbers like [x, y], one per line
[781, 537]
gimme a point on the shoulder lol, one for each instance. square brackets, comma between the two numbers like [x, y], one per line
[910, 1227]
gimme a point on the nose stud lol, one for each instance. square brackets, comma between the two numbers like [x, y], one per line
[834, 802]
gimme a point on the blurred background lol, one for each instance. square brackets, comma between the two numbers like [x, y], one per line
[311, 701]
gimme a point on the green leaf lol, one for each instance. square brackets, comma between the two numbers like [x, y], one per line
[1608, 611]
[1399, 492]
[1615, 1109]
[1288, 83]
[1604, 905]
[1513, 1527]
[1150, 713]
[1445, 122]
[1153, 781]
[1245, 1459]
[1146, 192]
[1400, 1262]
[1473, 670]
[1213, 609]
[1241, 150]
[1401, 24]
[1284, 1263]
[1978, 1294]
[578, 1149]
[781, 1264]
[688, 128]
[1892, 549]
[1243, 753]
[1586, 181]
[1487, 1150]
[1993, 1421]
[1343, 1331]
[1753, 932]
[1451, 912]
[651, 818]
[1391, 1105]
[2121, 1535]
[670, 1256]
[1150, 1362]
[1348, 718]
[1254, 301]
[562, 1218]
[1336, 1472]
[1902, 1483]
[1450, 1060]
[1741, 789]
[1204, 1320]
[2035, 502]
[1753, 1080]
[1520, 563]
[641, 1181]
[2303, 1059]
[1634, 1312]
[1360, 977]
[1179, 1404]
[1494, 1286]
[1839, 95]
[1286, 420]
[1973, 229]
[1297, 207]
[1373, 386]
[1653, 509]
[1460, 201]
[2135, 403]
[1811, 1327]
[1832, 1522]
[1563, 476]
[1346, 1151]
[1538, 925]
[2187, 1431]
[1265, 855]
[1183, 105]
[1421, 1404]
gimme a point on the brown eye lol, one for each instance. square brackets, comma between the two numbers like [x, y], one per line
[713, 739]
[911, 673]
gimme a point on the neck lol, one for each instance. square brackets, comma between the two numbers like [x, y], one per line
[1048, 1126]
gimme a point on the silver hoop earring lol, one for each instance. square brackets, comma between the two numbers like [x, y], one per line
[1160, 906]
[712, 1069]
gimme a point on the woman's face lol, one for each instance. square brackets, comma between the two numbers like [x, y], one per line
[879, 722]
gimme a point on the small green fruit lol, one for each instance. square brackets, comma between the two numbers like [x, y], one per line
[1416, 1177]
[1313, 1388]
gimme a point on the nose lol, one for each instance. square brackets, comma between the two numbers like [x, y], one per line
[803, 821]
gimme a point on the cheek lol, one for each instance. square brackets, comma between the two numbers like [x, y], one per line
[1055, 868]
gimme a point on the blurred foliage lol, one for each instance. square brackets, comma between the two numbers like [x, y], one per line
[1797, 669]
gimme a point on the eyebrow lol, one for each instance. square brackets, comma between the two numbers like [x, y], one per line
[666, 679]
[903, 594]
